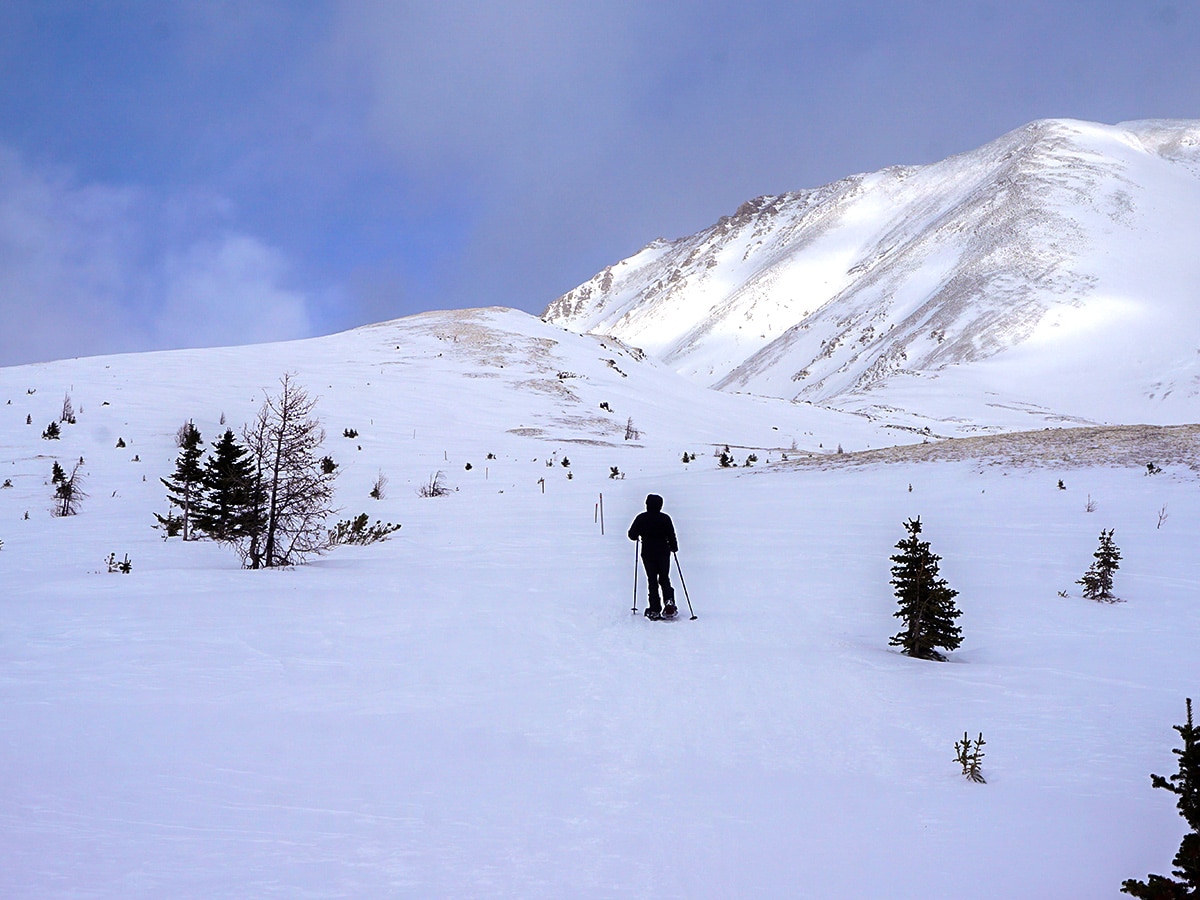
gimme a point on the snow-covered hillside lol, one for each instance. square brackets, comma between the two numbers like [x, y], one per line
[1048, 277]
[471, 710]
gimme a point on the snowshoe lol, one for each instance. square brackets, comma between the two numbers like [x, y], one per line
[653, 615]
[669, 611]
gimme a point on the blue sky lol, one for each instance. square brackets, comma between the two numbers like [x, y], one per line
[202, 173]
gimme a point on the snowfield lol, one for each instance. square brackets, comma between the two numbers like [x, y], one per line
[471, 709]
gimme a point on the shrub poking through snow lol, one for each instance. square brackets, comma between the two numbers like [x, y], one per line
[926, 601]
[52, 432]
[1185, 784]
[435, 487]
[357, 531]
[124, 566]
[171, 524]
[970, 757]
[1097, 581]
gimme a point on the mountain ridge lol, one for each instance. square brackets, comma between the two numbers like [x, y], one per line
[838, 294]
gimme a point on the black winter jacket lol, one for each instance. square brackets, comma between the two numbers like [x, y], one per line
[656, 531]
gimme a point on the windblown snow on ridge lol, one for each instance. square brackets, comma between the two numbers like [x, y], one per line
[1049, 276]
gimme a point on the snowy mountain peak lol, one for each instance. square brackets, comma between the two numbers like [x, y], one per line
[1011, 271]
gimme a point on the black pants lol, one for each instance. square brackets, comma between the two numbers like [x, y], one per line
[658, 572]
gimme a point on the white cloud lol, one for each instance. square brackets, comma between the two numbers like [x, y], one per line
[229, 290]
[90, 269]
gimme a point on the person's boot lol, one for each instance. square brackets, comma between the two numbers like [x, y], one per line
[653, 614]
[669, 611]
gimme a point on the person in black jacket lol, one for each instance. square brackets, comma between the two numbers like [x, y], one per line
[657, 533]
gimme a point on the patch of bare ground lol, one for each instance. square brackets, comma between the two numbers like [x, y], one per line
[1117, 445]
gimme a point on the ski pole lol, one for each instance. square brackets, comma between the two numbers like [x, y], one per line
[635, 568]
[684, 583]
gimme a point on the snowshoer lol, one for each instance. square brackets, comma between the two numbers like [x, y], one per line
[657, 534]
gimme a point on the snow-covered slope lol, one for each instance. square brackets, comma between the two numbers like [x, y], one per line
[1051, 273]
[470, 709]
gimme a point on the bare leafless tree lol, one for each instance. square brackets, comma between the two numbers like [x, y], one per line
[294, 493]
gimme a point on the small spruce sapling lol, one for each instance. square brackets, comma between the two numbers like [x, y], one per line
[52, 432]
[1097, 581]
[1185, 784]
[379, 488]
[926, 601]
[970, 757]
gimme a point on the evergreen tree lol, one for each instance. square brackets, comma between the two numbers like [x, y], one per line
[229, 506]
[1186, 785]
[68, 490]
[183, 487]
[1097, 581]
[926, 600]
